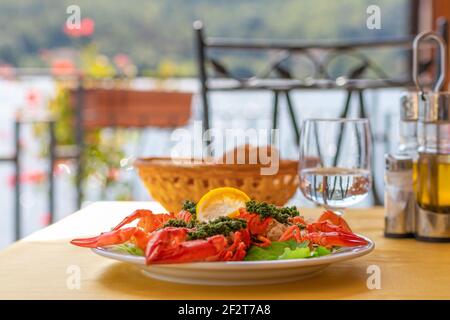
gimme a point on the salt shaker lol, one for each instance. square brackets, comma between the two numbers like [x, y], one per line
[408, 128]
[400, 206]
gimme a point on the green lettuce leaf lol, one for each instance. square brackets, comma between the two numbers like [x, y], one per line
[274, 251]
[322, 251]
[128, 248]
[297, 253]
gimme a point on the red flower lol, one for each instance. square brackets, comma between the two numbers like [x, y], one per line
[113, 174]
[85, 29]
[31, 177]
[33, 97]
[63, 67]
[46, 219]
[121, 60]
[7, 71]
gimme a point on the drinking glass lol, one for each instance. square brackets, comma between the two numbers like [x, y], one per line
[334, 167]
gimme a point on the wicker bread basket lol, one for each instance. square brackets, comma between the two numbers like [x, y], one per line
[171, 182]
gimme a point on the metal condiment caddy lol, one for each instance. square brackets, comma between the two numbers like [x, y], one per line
[417, 196]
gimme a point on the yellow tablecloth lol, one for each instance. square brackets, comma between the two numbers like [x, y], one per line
[40, 266]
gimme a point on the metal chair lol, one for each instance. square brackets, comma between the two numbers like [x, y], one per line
[283, 83]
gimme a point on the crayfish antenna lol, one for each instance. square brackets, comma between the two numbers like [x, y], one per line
[137, 214]
[148, 220]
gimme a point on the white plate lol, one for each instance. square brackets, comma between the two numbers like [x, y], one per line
[249, 272]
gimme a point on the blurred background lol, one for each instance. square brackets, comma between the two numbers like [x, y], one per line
[151, 46]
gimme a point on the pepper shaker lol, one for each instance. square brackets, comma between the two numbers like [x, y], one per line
[400, 206]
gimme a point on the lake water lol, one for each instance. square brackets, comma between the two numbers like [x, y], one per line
[229, 110]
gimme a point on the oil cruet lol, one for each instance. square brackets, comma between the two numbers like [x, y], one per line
[432, 167]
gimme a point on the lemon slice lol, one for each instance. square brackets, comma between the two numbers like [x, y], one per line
[221, 202]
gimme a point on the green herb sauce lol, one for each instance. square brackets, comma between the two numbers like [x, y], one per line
[222, 225]
[269, 210]
[190, 206]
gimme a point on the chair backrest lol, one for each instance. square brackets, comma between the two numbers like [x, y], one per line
[320, 54]
[99, 108]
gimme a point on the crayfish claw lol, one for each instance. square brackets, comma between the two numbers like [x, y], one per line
[106, 238]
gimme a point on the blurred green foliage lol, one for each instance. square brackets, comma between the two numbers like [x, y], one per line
[103, 151]
[158, 35]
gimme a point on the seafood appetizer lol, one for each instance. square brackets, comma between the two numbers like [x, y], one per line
[226, 225]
